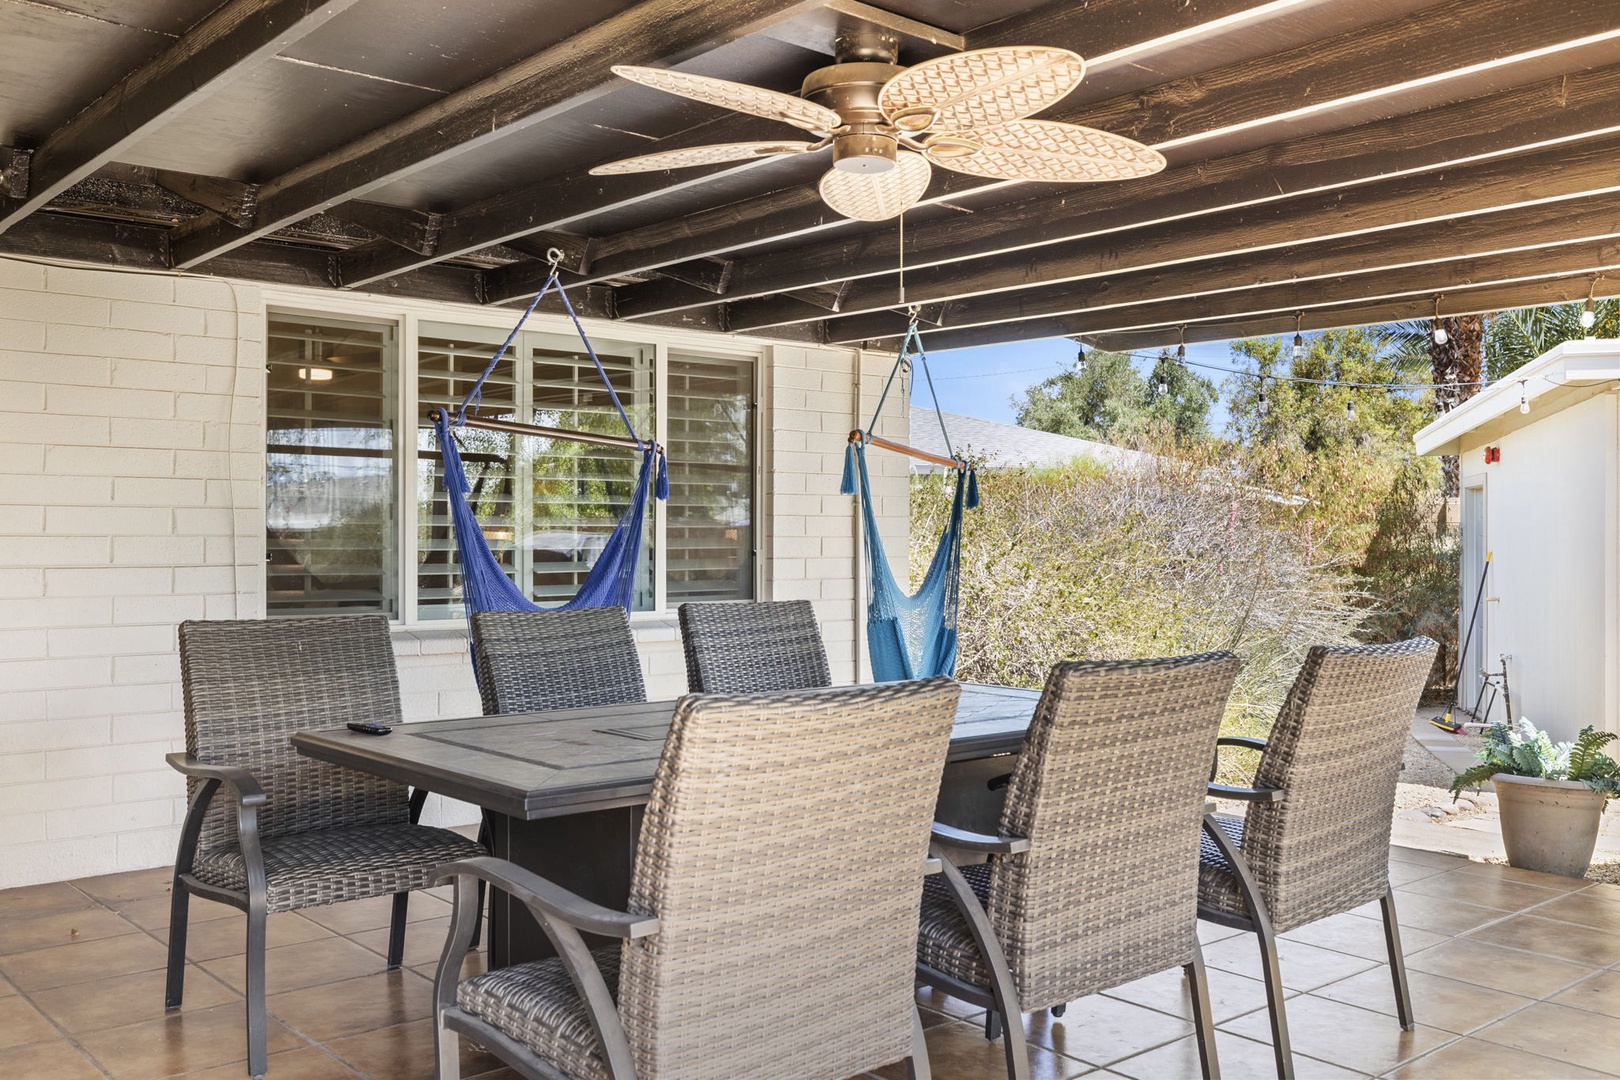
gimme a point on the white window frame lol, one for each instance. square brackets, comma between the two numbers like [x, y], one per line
[407, 317]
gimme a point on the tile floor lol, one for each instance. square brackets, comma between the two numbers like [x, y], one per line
[1513, 975]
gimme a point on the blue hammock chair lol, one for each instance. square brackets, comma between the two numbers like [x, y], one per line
[910, 636]
[611, 580]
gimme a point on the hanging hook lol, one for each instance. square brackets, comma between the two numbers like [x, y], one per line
[554, 258]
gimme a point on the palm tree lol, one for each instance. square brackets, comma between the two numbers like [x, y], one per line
[1517, 337]
[1456, 364]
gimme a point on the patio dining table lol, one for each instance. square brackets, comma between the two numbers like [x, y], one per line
[563, 791]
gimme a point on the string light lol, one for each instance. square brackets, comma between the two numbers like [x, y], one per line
[1262, 405]
[1080, 361]
[1439, 331]
[1589, 312]
[1524, 400]
[1350, 410]
[1299, 339]
[1164, 386]
[1181, 348]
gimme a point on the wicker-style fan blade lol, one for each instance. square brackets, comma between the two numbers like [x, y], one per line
[970, 90]
[877, 196]
[701, 155]
[739, 96]
[1042, 150]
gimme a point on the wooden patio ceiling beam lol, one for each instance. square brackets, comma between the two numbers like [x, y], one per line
[1234, 204]
[231, 40]
[559, 202]
[555, 79]
[1370, 312]
[1430, 243]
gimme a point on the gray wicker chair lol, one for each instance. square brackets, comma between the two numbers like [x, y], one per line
[529, 661]
[741, 958]
[1315, 839]
[748, 647]
[1088, 884]
[294, 832]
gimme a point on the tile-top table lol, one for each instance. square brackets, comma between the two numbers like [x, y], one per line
[562, 791]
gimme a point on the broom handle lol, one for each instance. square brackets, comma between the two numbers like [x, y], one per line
[1468, 635]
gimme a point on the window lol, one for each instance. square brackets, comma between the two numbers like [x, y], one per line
[546, 505]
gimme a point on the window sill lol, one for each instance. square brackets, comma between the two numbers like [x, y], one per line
[647, 627]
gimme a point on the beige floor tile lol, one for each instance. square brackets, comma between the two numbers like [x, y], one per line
[424, 941]
[215, 938]
[6, 989]
[1304, 967]
[1590, 1040]
[1100, 1029]
[41, 900]
[180, 1043]
[60, 928]
[959, 1052]
[1239, 1058]
[406, 1053]
[353, 1006]
[1510, 970]
[1476, 1059]
[1588, 908]
[48, 1061]
[309, 963]
[941, 1002]
[83, 961]
[129, 885]
[1397, 853]
[1209, 933]
[1362, 937]
[1350, 1038]
[1404, 873]
[127, 999]
[1599, 994]
[475, 964]
[1229, 995]
[310, 1063]
[1567, 941]
[1446, 1004]
[21, 1023]
[1498, 872]
[353, 916]
[152, 913]
[1480, 890]
[1439, 914]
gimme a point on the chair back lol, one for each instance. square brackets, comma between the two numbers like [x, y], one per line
[250, 683]
[529, 661]
[1110, 791]
[752, 647]
[782, 851]
[1336, 749]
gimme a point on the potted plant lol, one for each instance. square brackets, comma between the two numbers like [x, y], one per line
[1551, 794]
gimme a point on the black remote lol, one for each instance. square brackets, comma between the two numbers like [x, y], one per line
[369, 729]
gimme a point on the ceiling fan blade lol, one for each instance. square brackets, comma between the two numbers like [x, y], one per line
[701, 155]
[969, 90]
[753, 100]
[1041, 150]
[877, 196]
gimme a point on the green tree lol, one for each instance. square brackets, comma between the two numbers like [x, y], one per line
[1515, 338]
[1108, 400]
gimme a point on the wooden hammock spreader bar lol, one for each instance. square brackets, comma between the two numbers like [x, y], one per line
[901, 448]
[514, 428]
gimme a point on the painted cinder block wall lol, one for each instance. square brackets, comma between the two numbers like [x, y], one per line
[132, 498]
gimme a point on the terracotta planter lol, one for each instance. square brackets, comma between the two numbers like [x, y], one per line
[1548, 825]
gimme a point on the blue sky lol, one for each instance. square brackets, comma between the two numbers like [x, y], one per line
[983, 382]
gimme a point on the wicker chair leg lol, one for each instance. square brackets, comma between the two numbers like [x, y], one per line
[1274, 1000]
[1057, 1011]
[396, 930]
[917, 1067]
[1203, 1019]
[258, 1057]
[174, 990]
[1397, 961]
[992, 1025]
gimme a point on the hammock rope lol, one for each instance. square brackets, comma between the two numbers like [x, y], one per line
[611, 580]
[910, 636]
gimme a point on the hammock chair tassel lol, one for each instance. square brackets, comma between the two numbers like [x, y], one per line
[848, 486]
[972, 488]
[661, 486]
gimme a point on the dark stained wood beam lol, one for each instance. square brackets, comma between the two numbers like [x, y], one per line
[1567, 108]
[230, 199]
[414, 230]
[1501, 297]
[1547, 226]
[14, 172]
[231, 40]
[710, 275]
[560, 77]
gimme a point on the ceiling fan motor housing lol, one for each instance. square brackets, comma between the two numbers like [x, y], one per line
[868, 143]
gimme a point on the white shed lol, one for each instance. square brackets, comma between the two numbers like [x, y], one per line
[1540, 464]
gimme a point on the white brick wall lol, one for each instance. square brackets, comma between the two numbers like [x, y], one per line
[131, 498]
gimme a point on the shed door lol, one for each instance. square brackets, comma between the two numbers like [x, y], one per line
[1473, 565]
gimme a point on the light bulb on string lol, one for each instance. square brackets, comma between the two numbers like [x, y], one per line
[1181, 347]
[1440, 335]
[1164, 386]
[1350, 410]
[1588, 315]
[1080, 361]
[1524, 400]
[1262, 404]
[1299, 339]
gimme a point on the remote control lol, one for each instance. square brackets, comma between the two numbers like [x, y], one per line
[369, 729]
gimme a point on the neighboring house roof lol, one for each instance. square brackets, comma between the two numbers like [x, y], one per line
[1008, 445]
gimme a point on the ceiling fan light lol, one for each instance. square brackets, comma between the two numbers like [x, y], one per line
[862, 152]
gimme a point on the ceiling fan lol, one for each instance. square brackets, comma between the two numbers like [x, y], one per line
[886, 123]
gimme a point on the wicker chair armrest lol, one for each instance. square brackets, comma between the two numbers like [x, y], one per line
[550, 898]
[1241, 740]
[1258, 793]
[239, 780]
[949, 836]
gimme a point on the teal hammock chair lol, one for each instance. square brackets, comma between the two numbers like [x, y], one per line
[611, 579]
[910, 637]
